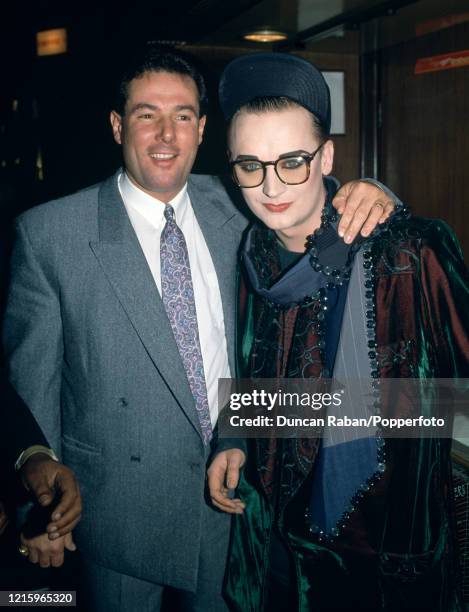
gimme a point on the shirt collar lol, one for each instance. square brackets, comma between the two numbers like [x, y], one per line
[150, 207]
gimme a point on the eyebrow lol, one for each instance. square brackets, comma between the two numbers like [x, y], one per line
[153, 107]
[288, 154]
[246, 157]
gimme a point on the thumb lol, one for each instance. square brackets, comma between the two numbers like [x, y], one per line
[232, 475]
[43, 493]
[69, 543]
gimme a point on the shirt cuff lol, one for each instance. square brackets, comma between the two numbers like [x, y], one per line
[34, 450]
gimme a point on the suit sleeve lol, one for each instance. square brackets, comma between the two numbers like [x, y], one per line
[33, 337]
[19, 428]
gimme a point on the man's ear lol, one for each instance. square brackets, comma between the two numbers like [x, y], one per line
[327, 157]
[116, 123]
[202, 122]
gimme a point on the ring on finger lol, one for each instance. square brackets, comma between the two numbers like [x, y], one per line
[23, 550]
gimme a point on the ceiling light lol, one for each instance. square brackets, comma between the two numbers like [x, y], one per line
[265, 35]
[51, 42]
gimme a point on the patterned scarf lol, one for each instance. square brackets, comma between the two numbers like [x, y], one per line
[297, 314]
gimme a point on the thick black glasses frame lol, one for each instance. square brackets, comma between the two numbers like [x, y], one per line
[308, 157]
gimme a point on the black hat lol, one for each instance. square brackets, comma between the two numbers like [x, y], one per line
[277, 75]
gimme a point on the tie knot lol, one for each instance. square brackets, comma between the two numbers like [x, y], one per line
[169, 212]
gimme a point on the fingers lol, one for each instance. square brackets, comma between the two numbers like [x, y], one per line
[221, 500]
[353, 223]
[47, 480]
[340, 202]
[388, 209]
[372, 221]
[225, 468]
[54, 531]
[363, 206]
[33, 555]
[69, 543]
[44, 559]
[376, 215]
[366, 219]
[219, 494]
[38, 474]
[346, 203]
[47, 553]
[43, 493]
[235, 462]
[57, 560]
[52, 558]
[39, 487]
[68, 513]
[54, 555]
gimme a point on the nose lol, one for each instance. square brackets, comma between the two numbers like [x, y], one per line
[272, 186]
[166, 131]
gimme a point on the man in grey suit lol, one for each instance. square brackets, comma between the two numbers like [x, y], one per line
[121, 377]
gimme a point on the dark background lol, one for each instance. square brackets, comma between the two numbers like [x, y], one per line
[409, 130]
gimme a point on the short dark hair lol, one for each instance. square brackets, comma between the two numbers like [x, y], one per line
[262, 104]
[159, 58]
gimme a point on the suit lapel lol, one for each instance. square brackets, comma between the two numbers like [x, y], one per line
[123, 262]
[223, 244]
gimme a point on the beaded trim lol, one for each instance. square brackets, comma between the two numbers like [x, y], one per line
[335, 276]
[370, 315]
[329, 215]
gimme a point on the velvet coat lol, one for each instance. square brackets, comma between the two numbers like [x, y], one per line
[396, 550]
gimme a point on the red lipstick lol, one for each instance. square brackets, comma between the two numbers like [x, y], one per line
[277, 208]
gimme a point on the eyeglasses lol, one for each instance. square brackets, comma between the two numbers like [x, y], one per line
[290, 169]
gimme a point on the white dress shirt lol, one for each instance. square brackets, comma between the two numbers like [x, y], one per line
[146, 214]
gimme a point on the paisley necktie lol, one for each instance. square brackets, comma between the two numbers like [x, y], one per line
[178, 299]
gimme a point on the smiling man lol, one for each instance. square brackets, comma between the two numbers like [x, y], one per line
[120, 321]
[166, 104]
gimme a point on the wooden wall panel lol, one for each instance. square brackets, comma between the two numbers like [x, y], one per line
[347, 146]
[424, 138]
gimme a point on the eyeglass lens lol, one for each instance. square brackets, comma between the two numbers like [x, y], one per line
[290, 170]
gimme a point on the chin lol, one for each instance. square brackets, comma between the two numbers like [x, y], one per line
[278, 227]
[275, 222]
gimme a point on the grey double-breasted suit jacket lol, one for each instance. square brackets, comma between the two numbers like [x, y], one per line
[91, 351]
